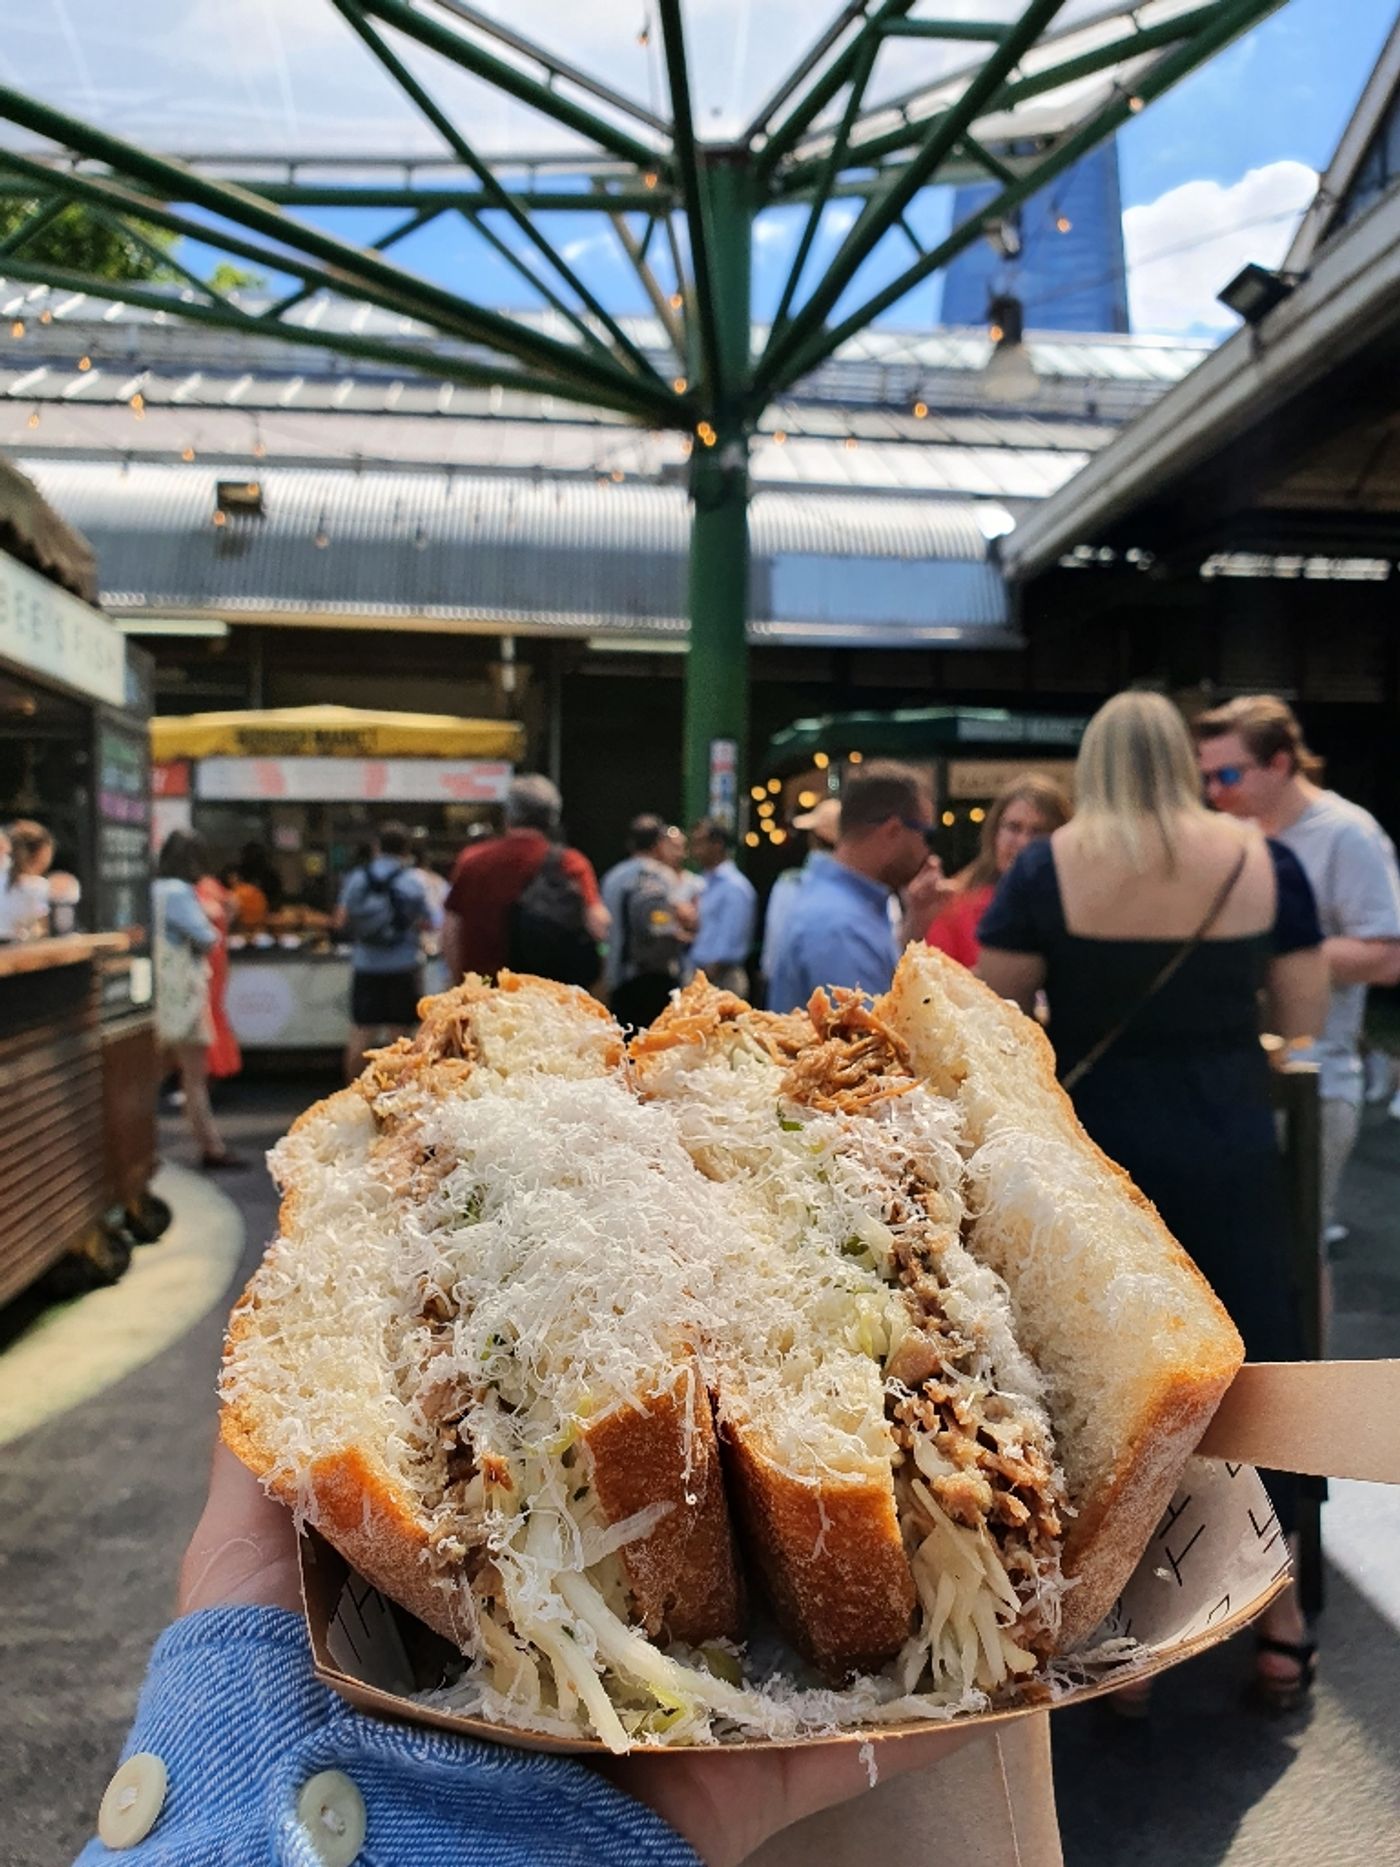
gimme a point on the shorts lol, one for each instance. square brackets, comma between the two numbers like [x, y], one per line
[1341, 1123]
[380, 998]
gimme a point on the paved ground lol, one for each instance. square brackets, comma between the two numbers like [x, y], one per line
[96, 1505]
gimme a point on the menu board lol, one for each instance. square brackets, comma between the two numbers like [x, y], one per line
[122, 854]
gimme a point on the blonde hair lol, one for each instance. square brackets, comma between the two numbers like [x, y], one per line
[1136, 775]
[1049, 801]
[1267, 726]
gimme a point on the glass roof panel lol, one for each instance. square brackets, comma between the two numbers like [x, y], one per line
[289, 78]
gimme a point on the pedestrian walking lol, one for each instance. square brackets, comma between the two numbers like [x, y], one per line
[821, 826]
[1256, 765]
[727, 909]
[525, 899]
[384, 910]
[224, 1057]
[184, 938]
[1028, 806]
[1153, 925]
[840, 930]
[653, 922]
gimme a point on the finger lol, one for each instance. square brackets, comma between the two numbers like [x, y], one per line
[243, 1550]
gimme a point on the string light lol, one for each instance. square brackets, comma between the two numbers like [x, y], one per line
[780, 437]
[855, 758]
[1063, 224]
[650, 179]
[757, 793]
[774, 786]
[820, 760]
[680, 385]
[978, 815]
[1135, 104]
[33, 421]
[17, 328]
[921, 411]
[779, 836]
[767, 807]
[84, 363]
[948, 819]
[675, 301]
[751, 838]
[806, 799]
[187, 453]
[220, 520]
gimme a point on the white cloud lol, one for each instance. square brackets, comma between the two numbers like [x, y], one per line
[1184, 246]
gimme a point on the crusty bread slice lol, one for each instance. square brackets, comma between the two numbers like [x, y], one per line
[1134, 1345]
[683, 1577]
[320, 1400]
[830, 1553]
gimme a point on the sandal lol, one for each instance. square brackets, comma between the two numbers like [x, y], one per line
[1277, 1697]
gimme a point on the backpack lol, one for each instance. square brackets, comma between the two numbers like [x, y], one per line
[380, 916]
[650, 942]
[547, 933]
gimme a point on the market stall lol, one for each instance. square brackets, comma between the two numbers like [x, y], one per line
[287, 801]
[77, 1040]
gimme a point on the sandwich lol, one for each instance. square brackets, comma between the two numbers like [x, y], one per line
[784, 1374]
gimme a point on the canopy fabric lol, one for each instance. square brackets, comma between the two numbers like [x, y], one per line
[333, 732]
[923, 732]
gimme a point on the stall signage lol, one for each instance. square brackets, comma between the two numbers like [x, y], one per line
[352, 780]
[171, 778]
[48, 632]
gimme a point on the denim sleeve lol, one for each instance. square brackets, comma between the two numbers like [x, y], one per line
[232, 1708]
[186, 918]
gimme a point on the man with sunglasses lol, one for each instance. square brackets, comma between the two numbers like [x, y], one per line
[839, 931]
[1254, 763]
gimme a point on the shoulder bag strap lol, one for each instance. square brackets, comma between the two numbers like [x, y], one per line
[1167, 973]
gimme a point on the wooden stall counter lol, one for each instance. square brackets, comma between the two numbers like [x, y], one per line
[28, 956]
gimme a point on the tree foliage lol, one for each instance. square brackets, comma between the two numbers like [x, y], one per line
[77, 241]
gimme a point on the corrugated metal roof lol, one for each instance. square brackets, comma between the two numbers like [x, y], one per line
[544, 556]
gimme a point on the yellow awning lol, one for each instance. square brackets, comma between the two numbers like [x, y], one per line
[334, 732]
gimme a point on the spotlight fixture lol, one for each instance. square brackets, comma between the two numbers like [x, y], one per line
[1010, 375]
[1253, 293]
[239, 498]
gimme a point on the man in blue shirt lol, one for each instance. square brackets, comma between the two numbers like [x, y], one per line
[728, 910]
[384, 909]
[839, 931]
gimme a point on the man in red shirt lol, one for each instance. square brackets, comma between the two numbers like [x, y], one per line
[490, 878]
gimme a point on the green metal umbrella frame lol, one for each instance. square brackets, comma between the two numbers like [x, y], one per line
[651, 176]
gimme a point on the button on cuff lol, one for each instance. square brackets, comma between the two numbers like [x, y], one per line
[133, 1801]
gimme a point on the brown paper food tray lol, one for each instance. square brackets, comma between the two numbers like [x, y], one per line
[1328, 1418]
[992, 1802]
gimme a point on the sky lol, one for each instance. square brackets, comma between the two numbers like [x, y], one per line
[1214, 174]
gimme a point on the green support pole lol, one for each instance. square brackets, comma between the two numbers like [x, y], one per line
[717, 670]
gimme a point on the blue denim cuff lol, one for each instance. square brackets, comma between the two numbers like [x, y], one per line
[233, 1709]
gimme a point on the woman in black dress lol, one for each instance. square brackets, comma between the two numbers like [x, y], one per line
[1180, 1097]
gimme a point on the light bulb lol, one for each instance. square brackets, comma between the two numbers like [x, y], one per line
[854, 758]
[676, 301]
[17, 328]
[1063, 224]
[33, 421]
[774, 786]
[757, 793]
[820, 760]
[779, 437]
[948, 819]
[921, 411]
[751, 838]
[680, 385]
[84, 363]
[187, 453]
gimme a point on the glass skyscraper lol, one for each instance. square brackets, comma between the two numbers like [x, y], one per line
[1060, 253]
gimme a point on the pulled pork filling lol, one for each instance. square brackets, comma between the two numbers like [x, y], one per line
[983, 1457]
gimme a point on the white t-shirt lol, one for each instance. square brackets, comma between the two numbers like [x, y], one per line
[1350, 862]
[24, 908]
